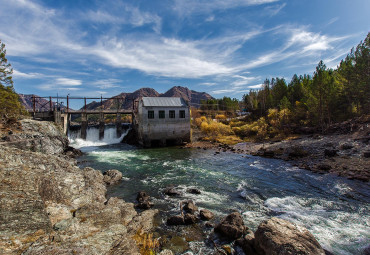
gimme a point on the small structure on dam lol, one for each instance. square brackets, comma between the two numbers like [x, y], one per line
[161, 121]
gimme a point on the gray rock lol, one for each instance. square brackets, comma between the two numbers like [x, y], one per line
[277, 236]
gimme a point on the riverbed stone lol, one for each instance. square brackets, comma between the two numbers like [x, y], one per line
[190, 207]
[112, 177]
[232, 226]
[277, 236]
[206, 214]
[190, 219]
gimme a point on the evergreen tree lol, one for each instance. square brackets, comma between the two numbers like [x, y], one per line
[10, 107]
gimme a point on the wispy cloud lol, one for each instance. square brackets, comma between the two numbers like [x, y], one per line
[203, 6]
[273, 10]
[67, 82]
[106, 84]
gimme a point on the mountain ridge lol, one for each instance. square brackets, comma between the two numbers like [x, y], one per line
[127, 98]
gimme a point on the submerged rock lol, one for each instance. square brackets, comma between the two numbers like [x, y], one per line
[176, 220]
[232, 226]
[112, 177]
[171, 191]
[277, 236]
[193, 191]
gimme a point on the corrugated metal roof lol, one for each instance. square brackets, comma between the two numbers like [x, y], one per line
[164, 101]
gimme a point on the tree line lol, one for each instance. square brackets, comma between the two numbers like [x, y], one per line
[329, 95]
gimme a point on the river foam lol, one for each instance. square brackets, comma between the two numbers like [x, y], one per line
[335, 229]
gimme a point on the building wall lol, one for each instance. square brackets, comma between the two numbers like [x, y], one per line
[162, 130]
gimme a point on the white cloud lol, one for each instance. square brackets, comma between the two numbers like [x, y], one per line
[209, 84]
[19, 74]
[67, 82]
[106, 84]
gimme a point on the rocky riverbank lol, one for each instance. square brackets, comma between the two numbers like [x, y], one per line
[50, 206]
[344, 151]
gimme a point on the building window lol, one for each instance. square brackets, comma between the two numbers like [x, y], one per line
[150, 114]
[182, 114]
[172, 114]
[161, 114]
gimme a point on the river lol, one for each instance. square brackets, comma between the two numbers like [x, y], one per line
[335, 210]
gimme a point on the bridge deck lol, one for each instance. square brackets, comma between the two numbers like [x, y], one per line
[87, 111]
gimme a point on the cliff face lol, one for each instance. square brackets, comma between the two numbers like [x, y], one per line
[50, 206]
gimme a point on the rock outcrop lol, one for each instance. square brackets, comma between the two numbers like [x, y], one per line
[277, 236]
[51, 206]
[40, 136]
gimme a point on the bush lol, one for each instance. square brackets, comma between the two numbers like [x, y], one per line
[10, 107]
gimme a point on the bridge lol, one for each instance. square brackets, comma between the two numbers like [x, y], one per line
[53, 108]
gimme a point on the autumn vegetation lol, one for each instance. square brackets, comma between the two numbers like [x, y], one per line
[279, 109]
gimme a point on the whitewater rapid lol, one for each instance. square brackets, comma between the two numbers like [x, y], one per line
[92, 138]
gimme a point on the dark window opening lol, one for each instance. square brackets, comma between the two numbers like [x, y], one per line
[172, 114]
[182, 114]
[150, 114]
[161, 115]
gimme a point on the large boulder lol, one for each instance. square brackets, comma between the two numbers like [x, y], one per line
[277, 236]
[112, 177]
[232, 226]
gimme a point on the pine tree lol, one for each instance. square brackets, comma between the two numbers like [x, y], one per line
[10, 107]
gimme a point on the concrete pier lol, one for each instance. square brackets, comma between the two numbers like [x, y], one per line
[119, 125]
[101, 126]
[84, 126]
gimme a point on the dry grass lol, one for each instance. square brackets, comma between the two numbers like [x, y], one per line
[148, 245]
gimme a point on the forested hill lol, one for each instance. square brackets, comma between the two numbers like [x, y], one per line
[329, 95]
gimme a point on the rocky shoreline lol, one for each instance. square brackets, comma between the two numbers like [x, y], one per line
[49, 205]
[343, 153]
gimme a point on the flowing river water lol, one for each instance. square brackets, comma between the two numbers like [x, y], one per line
[335, 210]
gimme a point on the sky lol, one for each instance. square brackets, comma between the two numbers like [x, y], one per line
[222, 47]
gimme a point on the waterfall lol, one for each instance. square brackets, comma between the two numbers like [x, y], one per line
[92, 137]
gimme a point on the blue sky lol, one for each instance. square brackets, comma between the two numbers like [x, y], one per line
[225, 48]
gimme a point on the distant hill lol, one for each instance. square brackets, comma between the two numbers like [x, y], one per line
[127, 99]
[27, 102]
[194, 97]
